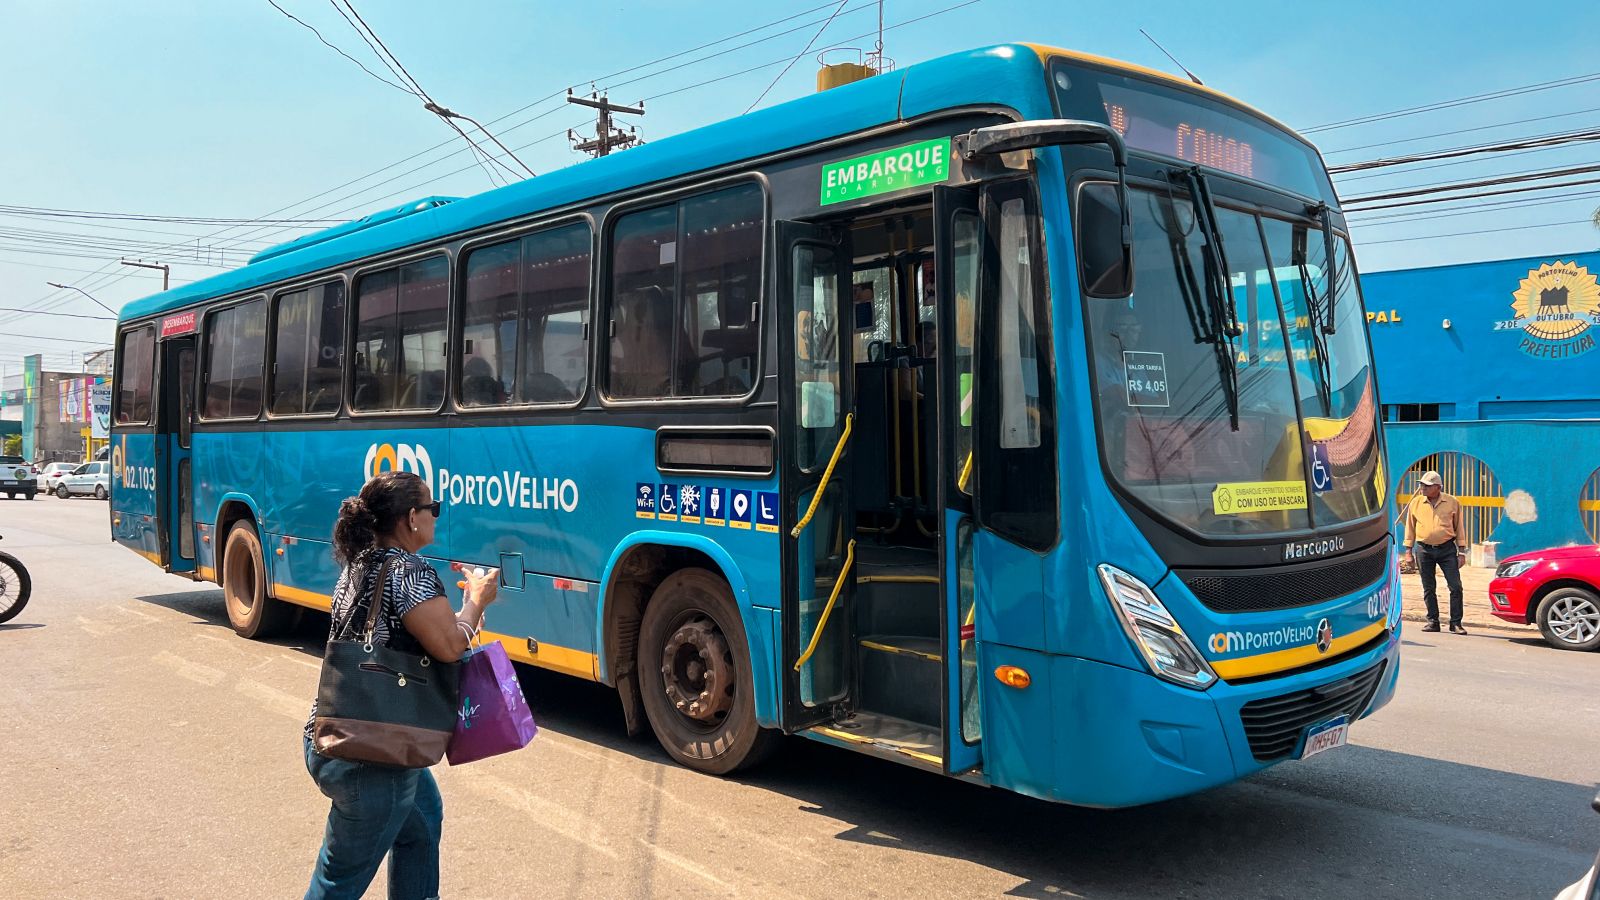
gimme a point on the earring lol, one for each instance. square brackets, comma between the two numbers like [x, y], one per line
[413, 528]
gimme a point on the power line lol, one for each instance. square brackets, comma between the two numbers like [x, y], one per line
[430, 104]
[1547, 140]
[1424, 137]
[1430, 237]
[1445, 165]
[1476, 209]
[1460, 101]
[803, 51]
[151, 217]
[553, 95]
[1445, 186]
[1520, 190]
[336, 49]
[62, 314]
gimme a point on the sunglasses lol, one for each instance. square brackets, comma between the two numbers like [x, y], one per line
[433, 507]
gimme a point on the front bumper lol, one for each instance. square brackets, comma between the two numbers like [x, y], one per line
[1122, 737]
[1508, 600]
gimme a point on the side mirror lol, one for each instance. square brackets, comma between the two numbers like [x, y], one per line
[1109, 278]
[1105, 267]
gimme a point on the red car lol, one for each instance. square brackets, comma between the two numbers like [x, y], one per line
[1557, 589]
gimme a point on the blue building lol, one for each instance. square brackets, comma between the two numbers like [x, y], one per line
[1489, 372]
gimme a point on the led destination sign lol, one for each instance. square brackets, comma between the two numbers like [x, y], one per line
[1189, 126]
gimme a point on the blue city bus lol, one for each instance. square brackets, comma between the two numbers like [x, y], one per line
[1087, 501]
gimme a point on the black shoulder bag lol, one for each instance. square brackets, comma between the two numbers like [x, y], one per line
[379, 705]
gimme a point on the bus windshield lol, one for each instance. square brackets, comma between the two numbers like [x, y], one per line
[1269, 427]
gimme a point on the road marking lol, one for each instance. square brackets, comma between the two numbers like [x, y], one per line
[135, 613]
[667, 856]
[98, 629]
[274, 700]
[189, 669]
[542, 812]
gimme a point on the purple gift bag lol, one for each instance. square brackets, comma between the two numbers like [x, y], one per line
[492, 717]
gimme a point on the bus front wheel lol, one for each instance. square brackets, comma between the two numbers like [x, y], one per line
[694, 675]
[252, 613]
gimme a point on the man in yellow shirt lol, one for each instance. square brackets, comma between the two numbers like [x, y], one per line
[1433, 525]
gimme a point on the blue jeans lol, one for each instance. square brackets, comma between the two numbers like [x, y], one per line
[1443, 557]
[377, 810]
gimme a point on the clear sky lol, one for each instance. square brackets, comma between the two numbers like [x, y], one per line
[230, 110]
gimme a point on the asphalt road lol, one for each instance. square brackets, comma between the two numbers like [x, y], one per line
[151, 753]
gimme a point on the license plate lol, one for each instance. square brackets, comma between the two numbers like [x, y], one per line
[1328, 735]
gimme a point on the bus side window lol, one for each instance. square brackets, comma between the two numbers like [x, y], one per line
[135, 368]
[400, 325]
[1017, 485]
[685, 284]
[308, 351]
[232, 377]
[525, 310]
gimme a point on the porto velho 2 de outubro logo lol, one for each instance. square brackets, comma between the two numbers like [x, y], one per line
[1557, 309]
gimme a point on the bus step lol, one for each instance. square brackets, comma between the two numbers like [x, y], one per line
[886, 737]
[900, 677]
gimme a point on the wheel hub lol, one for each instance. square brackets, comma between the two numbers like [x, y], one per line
[696, 672]
[1574, 620]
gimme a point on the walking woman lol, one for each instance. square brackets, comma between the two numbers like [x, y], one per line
[380, 810]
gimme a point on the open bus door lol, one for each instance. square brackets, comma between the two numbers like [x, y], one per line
[174, 431]
[958, 241]
[817, 521]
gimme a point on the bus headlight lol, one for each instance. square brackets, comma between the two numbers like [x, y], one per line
[1154, 632]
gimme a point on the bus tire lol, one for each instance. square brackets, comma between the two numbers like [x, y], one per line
[251, 611]
[691, 639]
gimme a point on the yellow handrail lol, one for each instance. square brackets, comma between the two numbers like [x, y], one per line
[966, 473]
[838, 451]
[844, 572]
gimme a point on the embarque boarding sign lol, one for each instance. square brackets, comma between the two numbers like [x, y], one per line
[926, 162]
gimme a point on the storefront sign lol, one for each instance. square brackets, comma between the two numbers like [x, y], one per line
[1557, 307]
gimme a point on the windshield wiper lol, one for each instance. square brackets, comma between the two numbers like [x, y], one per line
[1219, 292]
[1325, 217]
[1314, 320]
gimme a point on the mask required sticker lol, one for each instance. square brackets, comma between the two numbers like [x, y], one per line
[1243, 497]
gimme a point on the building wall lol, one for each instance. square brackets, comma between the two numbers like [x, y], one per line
[1503, 356]
[1548, 461]
[1515, 377]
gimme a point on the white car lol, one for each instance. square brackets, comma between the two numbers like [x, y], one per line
[89, 478]
[52, 473]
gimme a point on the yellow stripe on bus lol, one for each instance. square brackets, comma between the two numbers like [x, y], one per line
[1294, 657]
[206, 573]
[565, 660]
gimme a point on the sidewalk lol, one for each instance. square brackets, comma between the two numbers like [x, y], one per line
[1474, 606]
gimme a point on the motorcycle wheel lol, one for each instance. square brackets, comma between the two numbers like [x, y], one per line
[15, 587]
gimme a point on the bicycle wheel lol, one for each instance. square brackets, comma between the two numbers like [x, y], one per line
[15, 586]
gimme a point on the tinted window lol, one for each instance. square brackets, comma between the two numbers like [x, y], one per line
[526, 308]
[135, 366]
[308, 350]
[399, 347]
[1015, 409]
[235, 348]
[685, 279]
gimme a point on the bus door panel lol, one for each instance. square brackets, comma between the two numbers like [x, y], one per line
[818, 520]
[174, 460]
[958, 238]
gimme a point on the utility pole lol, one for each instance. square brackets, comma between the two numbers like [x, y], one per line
[606, 138]
[166, 270]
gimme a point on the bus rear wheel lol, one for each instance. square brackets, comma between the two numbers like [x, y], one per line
[251, 611]
[694, 675]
